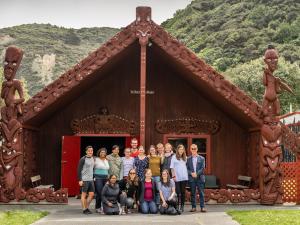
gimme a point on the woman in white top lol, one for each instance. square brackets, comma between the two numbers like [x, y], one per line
[128, 162]
[179, 173]
[100, 175]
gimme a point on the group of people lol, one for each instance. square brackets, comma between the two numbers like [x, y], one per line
[154, 182]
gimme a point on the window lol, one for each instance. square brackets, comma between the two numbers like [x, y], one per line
[202, 141]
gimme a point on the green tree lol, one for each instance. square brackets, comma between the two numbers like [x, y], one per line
[248, 77]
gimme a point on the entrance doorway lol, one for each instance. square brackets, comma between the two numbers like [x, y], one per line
[73, 148]
[99, 142]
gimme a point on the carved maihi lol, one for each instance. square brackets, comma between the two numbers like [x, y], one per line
[96, 124]
[187, 125]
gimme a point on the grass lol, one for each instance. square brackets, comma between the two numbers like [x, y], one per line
[20, 217]
[266, 217]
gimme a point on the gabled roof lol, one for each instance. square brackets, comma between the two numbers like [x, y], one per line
[201, 74]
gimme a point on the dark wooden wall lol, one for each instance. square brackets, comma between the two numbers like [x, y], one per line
[112, 90]
[174, 98]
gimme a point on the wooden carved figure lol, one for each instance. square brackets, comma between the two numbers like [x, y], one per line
[11, 129]
[273, 85]
[271, 133]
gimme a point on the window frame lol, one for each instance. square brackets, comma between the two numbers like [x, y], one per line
[189, 138]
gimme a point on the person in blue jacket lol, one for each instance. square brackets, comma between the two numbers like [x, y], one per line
[195, 167]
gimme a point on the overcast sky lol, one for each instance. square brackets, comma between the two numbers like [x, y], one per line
[83, 13]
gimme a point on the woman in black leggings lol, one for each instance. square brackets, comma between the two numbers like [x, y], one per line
[179, 173]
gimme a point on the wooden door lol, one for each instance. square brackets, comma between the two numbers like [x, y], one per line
[69, 161]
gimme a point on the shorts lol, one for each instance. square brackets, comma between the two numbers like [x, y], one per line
[88, 186]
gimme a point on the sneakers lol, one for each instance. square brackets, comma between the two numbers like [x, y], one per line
[98, 210]
[122, 211]
[86, 212]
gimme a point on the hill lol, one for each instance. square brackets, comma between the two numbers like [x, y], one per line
[51, 50]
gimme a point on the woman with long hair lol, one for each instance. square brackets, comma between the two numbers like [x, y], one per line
[147, 194]
[168, 195]
[110, 194]
[167, 157]
[141, 162]
[101, 168]
[179, 173]
[155, 164]
[129, 188]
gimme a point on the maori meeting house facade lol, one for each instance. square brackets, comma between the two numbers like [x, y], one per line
[141, 83]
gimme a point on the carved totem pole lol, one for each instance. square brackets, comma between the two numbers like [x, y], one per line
[271, 136]
[11, 156]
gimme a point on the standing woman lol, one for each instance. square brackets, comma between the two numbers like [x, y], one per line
[167, 157]
[129, 188]
[179, 173]
[127, 162]
[115, 163]
[147, 194]
[168, 195]
[110, 194]
[141, 162]
[155, 164]
[100, 175]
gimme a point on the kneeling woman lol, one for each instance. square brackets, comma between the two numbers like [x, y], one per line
[147, 194]
[168, 195]
[129, 191]
[110, 194]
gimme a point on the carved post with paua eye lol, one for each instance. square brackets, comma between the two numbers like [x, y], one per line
[11, 156]
[270, 173]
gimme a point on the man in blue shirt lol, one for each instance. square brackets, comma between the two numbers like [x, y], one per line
[195, 167]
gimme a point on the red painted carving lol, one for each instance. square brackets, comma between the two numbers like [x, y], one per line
[36, 195]
[187, 125]
[103, 123]
[232, 195]
[271, 175]
[11, 161]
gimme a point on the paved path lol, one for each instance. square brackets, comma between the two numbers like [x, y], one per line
[71, 214]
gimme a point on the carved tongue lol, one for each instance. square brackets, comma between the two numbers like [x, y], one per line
[272, 163]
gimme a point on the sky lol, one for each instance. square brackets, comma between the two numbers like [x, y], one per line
[83, 13]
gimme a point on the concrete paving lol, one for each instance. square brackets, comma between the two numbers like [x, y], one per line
[71, 214]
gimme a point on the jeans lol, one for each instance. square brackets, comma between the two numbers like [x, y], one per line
[156, 179]
[180, 191]
[196, 183]
[100, 181]
[148, 207]
[126, 201]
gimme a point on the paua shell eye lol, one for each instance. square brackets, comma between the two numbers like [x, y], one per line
[14, 64]
[5, 63]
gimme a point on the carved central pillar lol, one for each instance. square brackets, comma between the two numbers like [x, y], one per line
[143, 32]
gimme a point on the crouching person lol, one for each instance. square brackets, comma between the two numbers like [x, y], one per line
[110, 195]
[168, 195]
[129, 188]
[147, 194]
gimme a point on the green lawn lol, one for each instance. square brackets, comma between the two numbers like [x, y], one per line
[266, 217]
[20, 217]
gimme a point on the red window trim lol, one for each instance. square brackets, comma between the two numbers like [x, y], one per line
[189, 142]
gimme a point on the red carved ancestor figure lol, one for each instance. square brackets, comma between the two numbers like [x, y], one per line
[270, 181]
[273, 85]
[11, 129]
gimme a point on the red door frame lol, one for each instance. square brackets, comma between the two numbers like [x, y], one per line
[189, 142]
[74, 143]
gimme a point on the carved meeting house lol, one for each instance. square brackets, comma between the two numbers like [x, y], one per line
[141, 83]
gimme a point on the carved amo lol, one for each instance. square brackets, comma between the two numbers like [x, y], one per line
[12, 134]
[271, 175]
